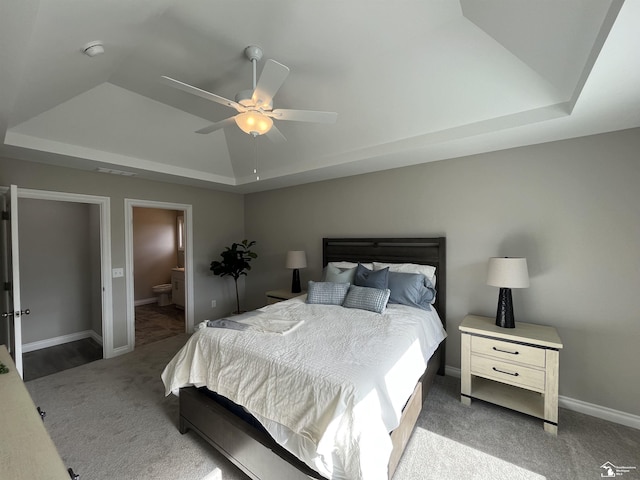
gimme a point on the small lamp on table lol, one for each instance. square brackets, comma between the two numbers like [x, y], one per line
[296, 259]
[507, 273]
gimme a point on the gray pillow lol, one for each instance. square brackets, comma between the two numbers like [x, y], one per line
[327, 293]
[371, 278]
[413, 289]
[367, 298]
[338, 275]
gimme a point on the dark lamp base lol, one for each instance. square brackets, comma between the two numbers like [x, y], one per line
[504, 316]
[295, 281]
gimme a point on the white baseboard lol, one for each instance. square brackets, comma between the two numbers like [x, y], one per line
[121, 351]
[598, 411]
[452, 371]
[96, 337]
[52, 342]
[145, 301]
[605, 413]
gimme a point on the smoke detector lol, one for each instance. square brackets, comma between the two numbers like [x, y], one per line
[94, 48]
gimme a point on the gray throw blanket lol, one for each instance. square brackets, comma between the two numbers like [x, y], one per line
[227, 323]
[256, 321]
[235, 323]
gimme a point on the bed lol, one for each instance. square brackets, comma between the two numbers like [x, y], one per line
[259, 436]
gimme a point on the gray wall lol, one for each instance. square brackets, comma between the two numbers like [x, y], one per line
[570, 207]
[56, 248]
[218, 220]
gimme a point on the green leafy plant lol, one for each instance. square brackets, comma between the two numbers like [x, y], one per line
[235, 263]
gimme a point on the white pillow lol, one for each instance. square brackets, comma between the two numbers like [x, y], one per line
[426, 270]
[351, 265]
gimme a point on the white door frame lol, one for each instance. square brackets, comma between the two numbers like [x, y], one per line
[105, 252]
[187, 210]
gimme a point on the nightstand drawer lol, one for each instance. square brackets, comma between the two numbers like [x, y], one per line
[510, 373]
[512, 352]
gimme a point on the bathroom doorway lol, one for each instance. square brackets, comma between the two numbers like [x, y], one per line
[158, 272]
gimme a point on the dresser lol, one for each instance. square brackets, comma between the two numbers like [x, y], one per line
[515, 368]
[26, 449]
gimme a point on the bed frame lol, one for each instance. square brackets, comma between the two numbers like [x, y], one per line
[249, 446]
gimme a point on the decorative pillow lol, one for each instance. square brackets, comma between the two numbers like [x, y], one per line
[411, 289]
[327, 293]
[338, 275]
[343, 265]
[371, 278]
[427, 270]
[366, 298]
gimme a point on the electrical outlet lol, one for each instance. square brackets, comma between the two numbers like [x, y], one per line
[117, 272]
[214, 303]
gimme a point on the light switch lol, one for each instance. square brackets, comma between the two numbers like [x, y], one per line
[118, 272]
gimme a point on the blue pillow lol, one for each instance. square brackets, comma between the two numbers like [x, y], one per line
[367, 298]
[327, 293]
[413, 289]
[371, 278]
[338, 275]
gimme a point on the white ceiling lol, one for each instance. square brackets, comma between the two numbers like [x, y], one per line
[412, 81]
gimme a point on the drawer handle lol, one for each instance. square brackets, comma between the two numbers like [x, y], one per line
[508, 373]
[506, 351]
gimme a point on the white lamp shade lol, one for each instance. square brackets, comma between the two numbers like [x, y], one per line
[296, 259]
[253, 122]
[508, 272]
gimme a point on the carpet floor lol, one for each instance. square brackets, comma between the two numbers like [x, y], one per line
[110, 419]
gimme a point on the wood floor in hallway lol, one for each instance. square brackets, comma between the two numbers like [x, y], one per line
[153, 323]
[46, 361]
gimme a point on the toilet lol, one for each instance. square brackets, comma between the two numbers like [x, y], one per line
[164, 293]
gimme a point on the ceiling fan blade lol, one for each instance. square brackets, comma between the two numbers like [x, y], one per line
[271, 79]
[218, 125]
[275, 135]
[185, 87]
[303, 115]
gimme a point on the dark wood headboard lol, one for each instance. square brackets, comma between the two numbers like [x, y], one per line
[423, 251]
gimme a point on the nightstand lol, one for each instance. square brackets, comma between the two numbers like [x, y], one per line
[275, 296]
[515, 368]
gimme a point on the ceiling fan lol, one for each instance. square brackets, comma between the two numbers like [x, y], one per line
[255, 107]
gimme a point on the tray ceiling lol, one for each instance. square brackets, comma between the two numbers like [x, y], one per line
[412, 82]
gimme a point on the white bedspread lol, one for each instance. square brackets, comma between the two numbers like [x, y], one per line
[330, 391]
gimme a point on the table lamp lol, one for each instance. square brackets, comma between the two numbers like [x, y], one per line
[296, 259]
[507, 273]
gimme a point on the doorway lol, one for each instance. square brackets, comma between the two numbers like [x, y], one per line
[158, 269]
[158, 274]
[72, 299]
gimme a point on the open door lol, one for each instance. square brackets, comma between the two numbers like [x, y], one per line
[11, 319]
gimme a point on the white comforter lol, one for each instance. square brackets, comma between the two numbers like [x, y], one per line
[330, 391]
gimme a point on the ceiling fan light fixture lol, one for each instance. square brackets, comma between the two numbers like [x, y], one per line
[253, 123]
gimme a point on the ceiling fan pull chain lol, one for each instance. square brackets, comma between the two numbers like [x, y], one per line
[255, 146]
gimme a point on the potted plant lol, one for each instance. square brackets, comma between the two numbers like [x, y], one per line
[235, 262]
